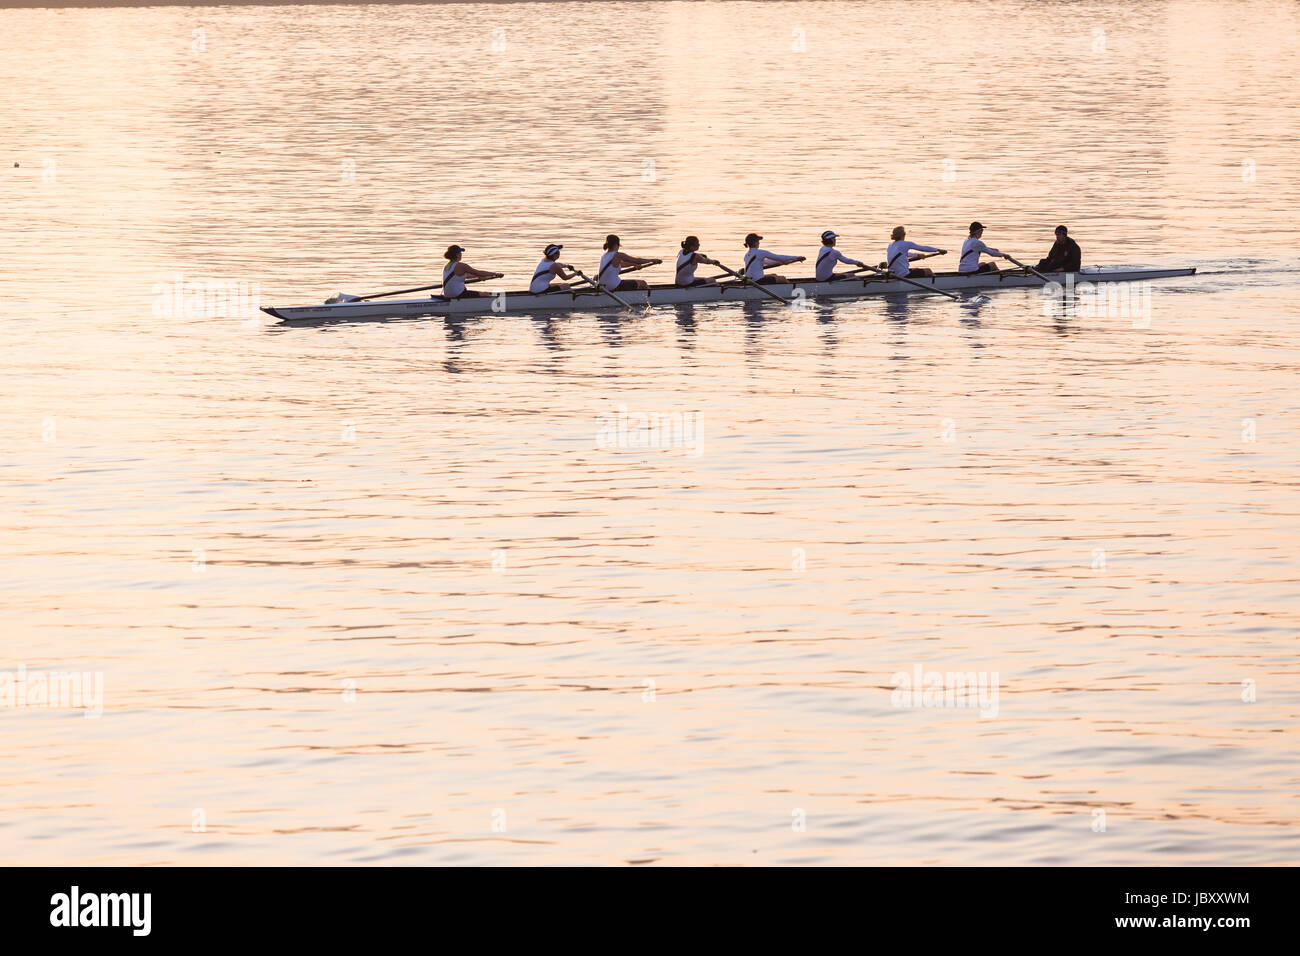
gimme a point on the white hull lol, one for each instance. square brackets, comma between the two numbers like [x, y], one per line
[586, 300]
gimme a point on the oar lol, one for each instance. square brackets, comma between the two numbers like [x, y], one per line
[919, 285]
[924, 255]
[600, 288]
[652, 262]
[760, 288]
[423, 288]
[1028, 269]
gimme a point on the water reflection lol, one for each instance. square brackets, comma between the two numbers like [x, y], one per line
[684, 319]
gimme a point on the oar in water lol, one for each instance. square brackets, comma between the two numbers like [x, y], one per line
[919, 285]
[1028, 269]
[747, 281]
[600, 288]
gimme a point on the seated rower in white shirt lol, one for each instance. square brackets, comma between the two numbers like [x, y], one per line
[687, 260]
[456, 271]
[758, 260]
[971, 250]
[827, 258]
[612, 264]
[898, 259]
[548, 267]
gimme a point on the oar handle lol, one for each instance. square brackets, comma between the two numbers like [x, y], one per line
[1028, 268]
[919, 285]
[746, 280]
[600, 288]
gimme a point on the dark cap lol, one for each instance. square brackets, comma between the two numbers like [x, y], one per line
[752, 237]
[451, 251]
[1062, 231]
[552, 251]
[976, 226]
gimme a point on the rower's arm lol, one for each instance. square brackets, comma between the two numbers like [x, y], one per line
[622, 259]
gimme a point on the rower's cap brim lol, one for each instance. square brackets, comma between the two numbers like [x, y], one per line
[829, 235]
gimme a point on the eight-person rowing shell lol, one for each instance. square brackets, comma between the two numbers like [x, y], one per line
[548, 267]
[455, 272]
[1064, 256]
[688, 260]
[758, 260]
[973, 248]
[828, 256]
[613, 263]
[901, 252]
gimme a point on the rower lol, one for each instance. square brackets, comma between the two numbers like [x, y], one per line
[687, 261]
[971, 250]
[456, 272]
[827, 258]
[550, 266]
[901, 252]
[613, 262]
[757, 260]
[1064, 256]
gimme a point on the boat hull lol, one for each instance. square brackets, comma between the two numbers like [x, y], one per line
[587, 300]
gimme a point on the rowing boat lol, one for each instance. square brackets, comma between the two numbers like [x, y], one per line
[585, 300]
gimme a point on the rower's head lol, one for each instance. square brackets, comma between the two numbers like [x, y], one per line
[898, 233]
[552, 251]
[691, 244]
[453, 253]
[1061, 233]
[611, 242]
[828, 238]
[977, 229]
[752, 240]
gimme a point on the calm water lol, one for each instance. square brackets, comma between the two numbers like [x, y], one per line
[377, 594]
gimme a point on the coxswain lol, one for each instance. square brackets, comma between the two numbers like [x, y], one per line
[1064, 256]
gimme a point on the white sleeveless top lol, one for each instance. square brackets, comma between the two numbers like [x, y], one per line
[452, 284]
[686, 266]
[608, 275]
[541, 276]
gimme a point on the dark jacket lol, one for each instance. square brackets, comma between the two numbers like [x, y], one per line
[1064, 256]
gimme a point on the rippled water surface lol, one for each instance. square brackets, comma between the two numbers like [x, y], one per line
[378, 593]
